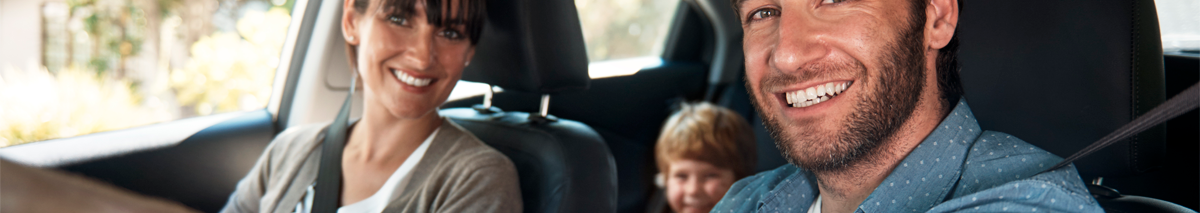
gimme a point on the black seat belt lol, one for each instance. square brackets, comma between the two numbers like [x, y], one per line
[1183, 102]
[328, 188]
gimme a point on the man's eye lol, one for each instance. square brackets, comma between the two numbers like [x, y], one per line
[451, 34]
[764, 13]
[398, 20]
[832, 1]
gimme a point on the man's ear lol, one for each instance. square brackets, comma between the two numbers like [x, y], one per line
[941, 18]
[350, 23]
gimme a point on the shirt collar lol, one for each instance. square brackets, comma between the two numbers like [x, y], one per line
[930, 171]
[923, 179]
[792, 194]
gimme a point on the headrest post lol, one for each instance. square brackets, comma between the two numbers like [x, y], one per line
[487, 97]
[545, 109]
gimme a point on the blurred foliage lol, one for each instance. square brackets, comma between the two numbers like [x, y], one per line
[227, 69]
[116, 29]
[68, 103]
[226, 61]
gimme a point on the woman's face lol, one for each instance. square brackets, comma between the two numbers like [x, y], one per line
[408, 66]
[696, 186]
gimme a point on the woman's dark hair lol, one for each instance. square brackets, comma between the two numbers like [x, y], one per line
[469, 13]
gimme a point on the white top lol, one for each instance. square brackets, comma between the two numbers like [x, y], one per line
[378, 201]
[815, 208]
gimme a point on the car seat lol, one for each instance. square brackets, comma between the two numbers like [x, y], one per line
[563, 165]
[1062, 74]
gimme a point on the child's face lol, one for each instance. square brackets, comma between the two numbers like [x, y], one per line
[696, 186]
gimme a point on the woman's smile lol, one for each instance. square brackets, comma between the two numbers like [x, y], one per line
[411, 82]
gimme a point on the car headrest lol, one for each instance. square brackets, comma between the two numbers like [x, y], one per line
[1062, 74]
[533, 46]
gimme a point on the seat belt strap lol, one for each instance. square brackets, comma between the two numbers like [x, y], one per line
[1183, 102]
[328, 187]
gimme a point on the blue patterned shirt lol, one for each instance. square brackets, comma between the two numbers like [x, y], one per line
[957, 168]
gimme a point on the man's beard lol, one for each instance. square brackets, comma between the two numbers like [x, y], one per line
[876, 116]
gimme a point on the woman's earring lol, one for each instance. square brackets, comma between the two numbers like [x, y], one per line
[351, 38]
[468, 63]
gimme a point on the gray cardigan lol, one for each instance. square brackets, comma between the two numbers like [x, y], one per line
[457, 174]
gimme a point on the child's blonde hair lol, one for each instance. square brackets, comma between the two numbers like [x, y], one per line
[707, 133]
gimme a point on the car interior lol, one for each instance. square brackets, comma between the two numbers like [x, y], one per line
[1059, 75]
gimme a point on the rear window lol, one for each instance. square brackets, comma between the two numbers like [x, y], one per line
[621, 37]
[624, 35]
[1179, 21]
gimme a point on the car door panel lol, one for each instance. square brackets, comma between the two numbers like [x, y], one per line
[199, 172]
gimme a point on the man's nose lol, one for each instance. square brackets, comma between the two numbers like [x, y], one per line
[800, 41]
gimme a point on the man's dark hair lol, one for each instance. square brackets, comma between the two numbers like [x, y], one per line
[947, 60]
[947, 64]
[469, 13]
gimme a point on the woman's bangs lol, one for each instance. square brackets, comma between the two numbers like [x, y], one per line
[467, 13]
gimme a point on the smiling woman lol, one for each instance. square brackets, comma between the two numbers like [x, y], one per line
[401, 155]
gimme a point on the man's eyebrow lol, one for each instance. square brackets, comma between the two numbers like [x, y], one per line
[737, 4]
[737, 7]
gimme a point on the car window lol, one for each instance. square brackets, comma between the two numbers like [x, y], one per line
[1180, 24]
[101, 65]
[623, 36]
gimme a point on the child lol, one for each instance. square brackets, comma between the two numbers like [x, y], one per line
[702, 150]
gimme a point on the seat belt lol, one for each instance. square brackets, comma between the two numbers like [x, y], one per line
[329, 175]
[1183, 102]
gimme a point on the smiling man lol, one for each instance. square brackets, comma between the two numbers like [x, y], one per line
[863, 98]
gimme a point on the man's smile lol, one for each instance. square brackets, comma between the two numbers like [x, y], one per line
[815, 94]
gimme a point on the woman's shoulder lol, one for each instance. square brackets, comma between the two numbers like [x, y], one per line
[296, 141]
[302, 132]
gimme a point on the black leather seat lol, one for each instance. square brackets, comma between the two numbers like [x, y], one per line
[536, 46]
[1062, 74]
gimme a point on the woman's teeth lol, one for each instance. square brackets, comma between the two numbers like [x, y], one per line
[410, 80]
[814, 95]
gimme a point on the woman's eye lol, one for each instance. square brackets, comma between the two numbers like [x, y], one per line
[451, 34]
[765, 13]
[831, 1]
[398, 20]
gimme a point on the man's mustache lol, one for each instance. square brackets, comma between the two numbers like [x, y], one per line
[777, 79]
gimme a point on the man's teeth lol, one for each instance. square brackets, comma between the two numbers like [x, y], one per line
[814, 95]
[410, 80]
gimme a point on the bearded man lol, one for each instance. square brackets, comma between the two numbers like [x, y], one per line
[863, 99]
